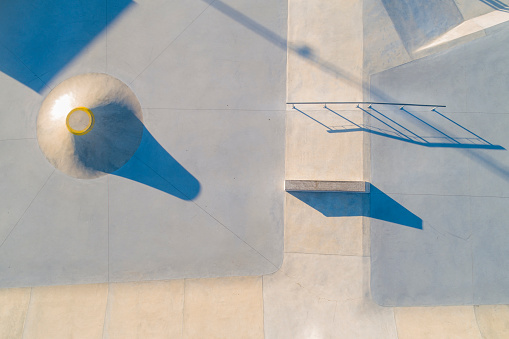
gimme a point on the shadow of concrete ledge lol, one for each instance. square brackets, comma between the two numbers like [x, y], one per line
[376, 205]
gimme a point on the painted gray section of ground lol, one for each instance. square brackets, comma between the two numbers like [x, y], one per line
[455, 180]
[62, 238]
[203, 196]
[232, 57]
[222, 231]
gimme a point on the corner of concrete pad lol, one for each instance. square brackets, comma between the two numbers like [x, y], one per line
[277, 267]
[377, 300]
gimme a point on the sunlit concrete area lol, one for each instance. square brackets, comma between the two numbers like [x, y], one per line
[254, 169]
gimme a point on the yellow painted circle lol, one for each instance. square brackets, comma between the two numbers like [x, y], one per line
[85, 130]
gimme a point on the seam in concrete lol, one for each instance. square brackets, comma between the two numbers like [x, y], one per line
[26, 315]
[217, 109]
[108, 235]
[106, 34]
[477, 321]
[28, 68]
[445, 234]
[18, 139]
[183, 310]
[458, 7]
[210, 215]
[171, 42]
[449, 195]
[263, 311]
[334, 316]
[245, 242]
[16, 224]
[295, 281]
[106, 313]
[395, 322]
[287, 58]
[471, 250]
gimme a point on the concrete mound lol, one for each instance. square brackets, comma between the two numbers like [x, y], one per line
[104, 144]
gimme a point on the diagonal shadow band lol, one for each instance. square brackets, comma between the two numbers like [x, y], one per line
[39, 38]
[376, 205]
[153, 166]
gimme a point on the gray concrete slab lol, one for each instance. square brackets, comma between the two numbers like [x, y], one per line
[428, 266]
[490, 253]
[62, 238]
[19, 184]
[217, 55]
[202, 235]
[458, 189]
[203, 196]
[154, 235]
[403, 167]
[238, 159]
[130, 50]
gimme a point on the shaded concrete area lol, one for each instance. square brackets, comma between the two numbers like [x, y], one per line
[36, 60]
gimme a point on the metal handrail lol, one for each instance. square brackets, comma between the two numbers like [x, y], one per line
[359, 102]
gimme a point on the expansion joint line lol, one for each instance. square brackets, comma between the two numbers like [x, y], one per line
[171, 42]
[30, 204]
[210, 215]
[28, 68]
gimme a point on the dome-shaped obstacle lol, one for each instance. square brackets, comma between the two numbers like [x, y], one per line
[90, 125]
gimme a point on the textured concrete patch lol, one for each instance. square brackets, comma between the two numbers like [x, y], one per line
[323, 296]
[13, 310]
[145, 310]
[67, 311]
[223, 308]
[456, 322]
[492, 320]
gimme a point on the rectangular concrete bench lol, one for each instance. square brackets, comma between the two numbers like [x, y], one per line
[326, 186]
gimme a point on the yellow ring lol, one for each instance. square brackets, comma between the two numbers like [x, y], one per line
[88, 128]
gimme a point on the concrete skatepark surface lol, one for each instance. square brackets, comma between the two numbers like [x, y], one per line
[209, 75]
[456, 181]
[208, 153]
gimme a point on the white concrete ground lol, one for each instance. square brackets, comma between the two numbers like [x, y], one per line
[322, 289]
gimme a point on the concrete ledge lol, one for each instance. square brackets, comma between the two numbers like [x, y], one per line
[326, 186]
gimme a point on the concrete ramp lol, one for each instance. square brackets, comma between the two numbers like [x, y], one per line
[460, 191]
[418, 22]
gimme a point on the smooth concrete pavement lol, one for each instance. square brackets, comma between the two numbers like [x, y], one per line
[203, 194]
